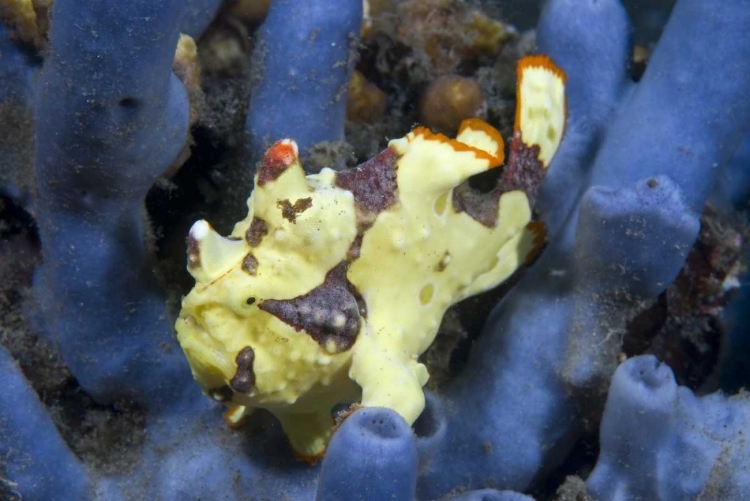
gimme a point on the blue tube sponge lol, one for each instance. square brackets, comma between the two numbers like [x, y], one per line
[621, 203]
[590, 40]
[523, 418]
[492, 495]
[733, 187]
[110, 117]
[661, 442]
[703, 84]
[373, 455]
[36, 464]
[630, 244]
[678, 123]
[305, 53]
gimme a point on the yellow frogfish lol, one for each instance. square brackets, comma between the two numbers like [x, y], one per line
[335, 283]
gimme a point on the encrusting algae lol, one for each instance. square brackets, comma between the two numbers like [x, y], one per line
[335, 283]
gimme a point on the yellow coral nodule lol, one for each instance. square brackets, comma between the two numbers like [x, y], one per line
[335, 283]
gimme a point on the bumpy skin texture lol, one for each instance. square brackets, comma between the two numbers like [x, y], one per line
[301, 297]
[661, 442]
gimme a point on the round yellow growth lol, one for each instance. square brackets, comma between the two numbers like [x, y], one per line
[250, 11]
[418, 256]
[449, 100]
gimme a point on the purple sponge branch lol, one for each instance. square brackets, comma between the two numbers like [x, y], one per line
[110, 117]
